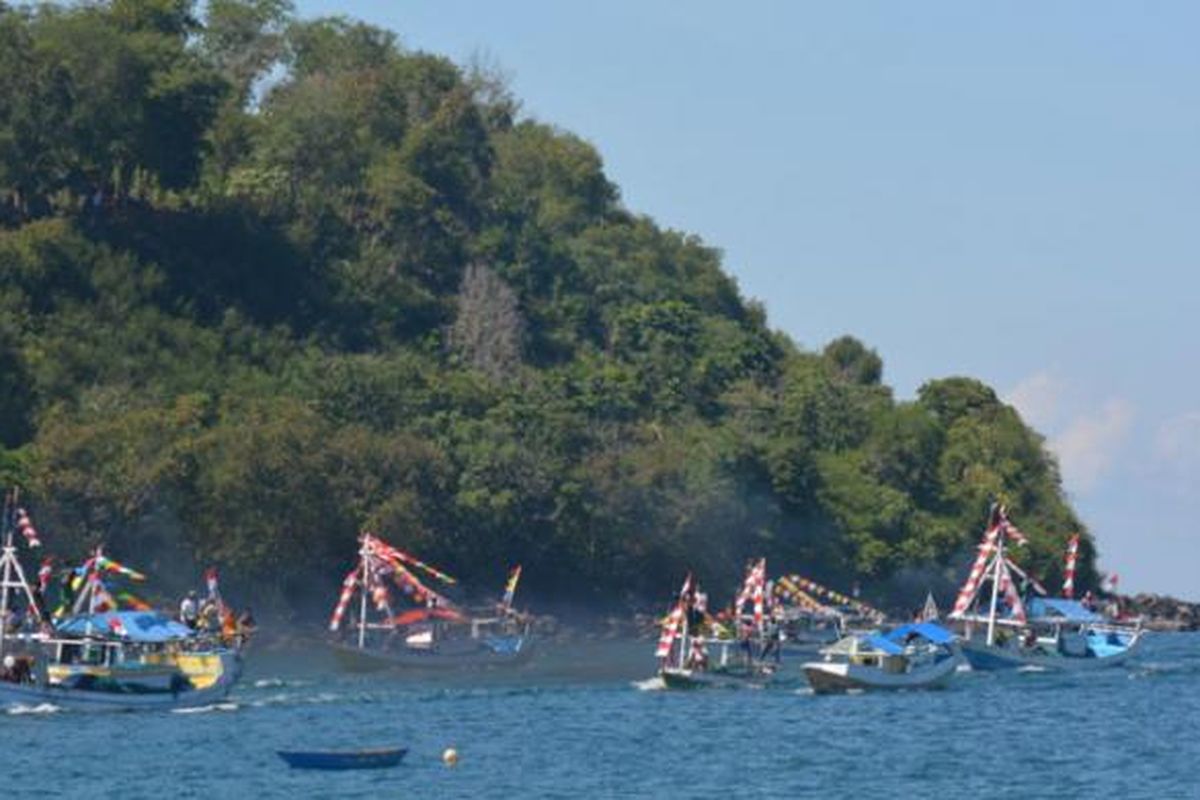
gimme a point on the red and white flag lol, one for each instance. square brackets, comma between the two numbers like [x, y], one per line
[26, 528]
[1069, 567]
[45, 574]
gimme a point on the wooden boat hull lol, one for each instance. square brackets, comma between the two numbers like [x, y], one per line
[828, 677]
[475, 656]
[340, 760]
[130, 697]
[983, 657]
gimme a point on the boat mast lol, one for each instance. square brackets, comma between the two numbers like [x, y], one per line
[362, 608]
[684, 645]
[9, 554]
[997, 568]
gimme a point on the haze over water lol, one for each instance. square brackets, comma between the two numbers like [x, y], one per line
[575, 724]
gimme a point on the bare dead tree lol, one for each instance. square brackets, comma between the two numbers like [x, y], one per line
[488, 328]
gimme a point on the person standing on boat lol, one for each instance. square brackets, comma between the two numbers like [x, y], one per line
[189, 613]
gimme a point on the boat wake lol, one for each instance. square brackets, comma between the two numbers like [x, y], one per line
[1031, 668]
[654, 684]
[206, 709]
[41, 708]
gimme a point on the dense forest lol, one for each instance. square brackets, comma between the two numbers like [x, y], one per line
[266, 282]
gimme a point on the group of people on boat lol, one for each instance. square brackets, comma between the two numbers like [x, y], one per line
[213, 617]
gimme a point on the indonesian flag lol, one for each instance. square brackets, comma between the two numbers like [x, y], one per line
[1069, 568]
[212, 581]
[1112, 582]
[116, 626]
[45, 575]
[26, 528]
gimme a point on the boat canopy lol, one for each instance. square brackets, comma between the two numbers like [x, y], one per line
[883, 644]
[1060, 609]
[926, 630]
[146, 627]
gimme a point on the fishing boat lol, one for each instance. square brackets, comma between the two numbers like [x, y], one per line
[1002, 629]
[343, 759]
[119, 661]
[916, 656]
[747, 647]
[99, 657]
[437, 634]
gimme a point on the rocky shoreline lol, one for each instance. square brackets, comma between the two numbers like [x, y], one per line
[1163, 613]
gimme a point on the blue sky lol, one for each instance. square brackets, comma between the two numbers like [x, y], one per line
[1008, 192]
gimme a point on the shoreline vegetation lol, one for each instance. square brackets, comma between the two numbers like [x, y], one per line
[268, 282]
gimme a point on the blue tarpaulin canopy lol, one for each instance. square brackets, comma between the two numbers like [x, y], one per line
[1059, 608]
[883, 645]
[149, 627]
[926, 630]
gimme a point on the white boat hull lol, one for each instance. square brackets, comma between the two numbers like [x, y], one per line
[827, 677]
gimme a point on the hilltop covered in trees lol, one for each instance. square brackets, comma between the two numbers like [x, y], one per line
[265, 282]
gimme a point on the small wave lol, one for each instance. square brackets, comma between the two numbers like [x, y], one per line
[1031, 668]
[293, 699]
[40, 708]
[206, 709]
[278, 683]
[654, 684]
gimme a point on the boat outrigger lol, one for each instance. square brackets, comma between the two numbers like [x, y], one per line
[920, 655]
[101, 658]
[438, 634]
[1004, 630]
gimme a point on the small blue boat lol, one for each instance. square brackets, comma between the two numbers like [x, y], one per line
[344, 759]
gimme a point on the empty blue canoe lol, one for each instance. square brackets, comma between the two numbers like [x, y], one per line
[343, 759]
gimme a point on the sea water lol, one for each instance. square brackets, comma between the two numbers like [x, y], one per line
[583, 722]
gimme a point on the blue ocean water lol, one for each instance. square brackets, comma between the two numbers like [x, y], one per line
[575, 723]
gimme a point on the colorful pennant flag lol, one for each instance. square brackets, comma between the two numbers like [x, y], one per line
[510, 587]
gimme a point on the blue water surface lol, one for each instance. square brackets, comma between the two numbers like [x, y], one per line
[576, 723]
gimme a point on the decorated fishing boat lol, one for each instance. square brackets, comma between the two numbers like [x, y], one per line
[746, 640]
[1005, 627]
[437, 634]
[916, 656]
[96, 656]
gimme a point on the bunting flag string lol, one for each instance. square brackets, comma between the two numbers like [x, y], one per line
[26, 529]
[1068, 588]
[797, 587]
